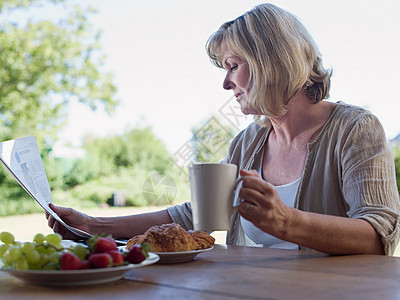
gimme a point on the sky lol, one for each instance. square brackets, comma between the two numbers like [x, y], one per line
[156, 49]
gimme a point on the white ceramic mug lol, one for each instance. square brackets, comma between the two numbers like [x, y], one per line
[212, 187]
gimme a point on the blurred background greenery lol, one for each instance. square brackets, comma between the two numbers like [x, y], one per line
[44, 65]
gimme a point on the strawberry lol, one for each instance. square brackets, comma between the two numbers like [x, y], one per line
[69, 261]
[100, 260]
[137, 253]
[85, 264]
[101, 244]
[117, 256]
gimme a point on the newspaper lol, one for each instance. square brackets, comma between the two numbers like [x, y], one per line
[21, 157]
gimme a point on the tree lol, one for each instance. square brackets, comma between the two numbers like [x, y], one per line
[45, 65]
[396, 153]
[135, 164]
[136, 148]
[210, 140]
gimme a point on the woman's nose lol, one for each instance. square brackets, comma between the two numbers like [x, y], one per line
[227, 84]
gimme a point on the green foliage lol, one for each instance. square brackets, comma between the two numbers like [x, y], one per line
[135, 149]
[210, 140]
[12, 4]
[123, 164]
[135, 163]
[18, 206]
[396, 154]
[14, 199]
[44, 66]
[131, 183]
[54, 172]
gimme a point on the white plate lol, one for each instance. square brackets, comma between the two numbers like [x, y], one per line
[78, 277]
[178, 257]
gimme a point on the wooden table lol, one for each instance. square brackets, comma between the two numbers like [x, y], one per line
[229, 272]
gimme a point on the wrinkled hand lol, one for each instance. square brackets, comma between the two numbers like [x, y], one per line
[71, 217]
[262, 205]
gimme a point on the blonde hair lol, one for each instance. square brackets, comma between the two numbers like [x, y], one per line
[282, 56]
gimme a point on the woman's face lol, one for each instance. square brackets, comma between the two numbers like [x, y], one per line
[237, 78]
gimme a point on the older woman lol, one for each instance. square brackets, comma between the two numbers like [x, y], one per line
[317, 174]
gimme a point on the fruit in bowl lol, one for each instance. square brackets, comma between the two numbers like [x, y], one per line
[47, 253]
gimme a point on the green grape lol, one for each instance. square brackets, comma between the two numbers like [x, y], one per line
[27, 247]
[3, 249]
[6, 237]
[55, 257]
[41, 249]
[39, 238]
[7, 258]
[44, 258]
[13, 253]
[42, 254]
[50, 250]
[54, 238]
[33, 257]
[5, 263]
[20, 264]
[51, 266]
[81, 251]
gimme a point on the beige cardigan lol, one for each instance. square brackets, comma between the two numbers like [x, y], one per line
[349, 172]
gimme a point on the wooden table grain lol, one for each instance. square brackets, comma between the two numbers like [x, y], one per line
[234, 272]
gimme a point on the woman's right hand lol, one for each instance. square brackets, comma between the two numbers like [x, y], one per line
[71, 217]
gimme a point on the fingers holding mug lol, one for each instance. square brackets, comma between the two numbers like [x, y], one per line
[246, 208]
[250, 208]
[242, 176]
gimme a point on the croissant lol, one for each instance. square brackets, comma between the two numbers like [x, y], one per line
[172, 238]
[203, 239]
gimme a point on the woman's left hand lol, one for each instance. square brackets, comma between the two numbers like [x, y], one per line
[262, 205]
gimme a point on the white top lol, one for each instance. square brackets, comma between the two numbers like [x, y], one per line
[287, 193]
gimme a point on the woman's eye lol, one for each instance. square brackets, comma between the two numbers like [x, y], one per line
[234, 67]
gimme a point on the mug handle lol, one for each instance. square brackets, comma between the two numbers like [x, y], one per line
[234, 188]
